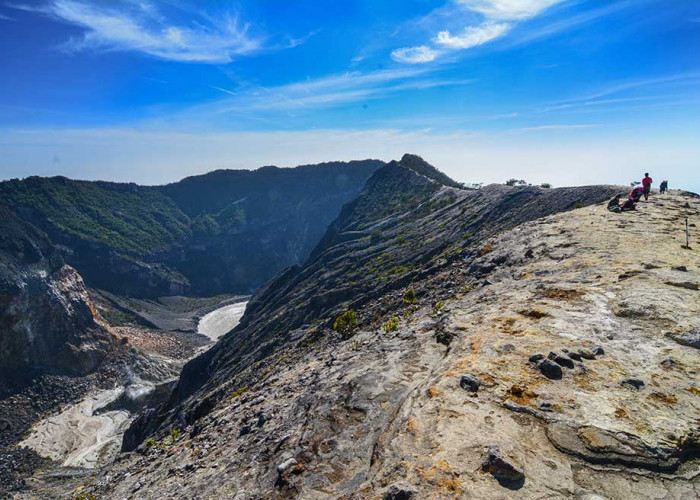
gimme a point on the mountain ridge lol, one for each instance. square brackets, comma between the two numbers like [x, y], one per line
[357, 261]
[449, 390]
[192, 237]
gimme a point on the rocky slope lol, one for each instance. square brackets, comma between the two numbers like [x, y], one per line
[48, 323]
[505, 346]
[224, 232]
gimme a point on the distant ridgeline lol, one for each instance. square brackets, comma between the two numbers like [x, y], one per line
[228, 231]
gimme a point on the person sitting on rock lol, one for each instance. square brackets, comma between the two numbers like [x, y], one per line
[634, 197]
[614, 204]
[630, 204]
[636, 193]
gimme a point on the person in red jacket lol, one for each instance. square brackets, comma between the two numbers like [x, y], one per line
[646, 183]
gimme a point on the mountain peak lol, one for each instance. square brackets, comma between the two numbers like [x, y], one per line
[422, 167]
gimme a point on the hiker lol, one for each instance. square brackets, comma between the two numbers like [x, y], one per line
[634, 197]
[614, 204]
[663, 187]
[636, 193]
[646, 184]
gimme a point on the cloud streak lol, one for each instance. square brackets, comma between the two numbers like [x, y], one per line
[415, 55]
[509, 10]
[618, 87]
[141, 27]
[498, 18]
[472, 36]
[577, 126]
[328, 92]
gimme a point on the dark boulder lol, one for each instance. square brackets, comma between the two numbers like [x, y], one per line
[550, 369]
[470, 383]
[507, 474]
[561, 360]
[401, 491]
[633, 383]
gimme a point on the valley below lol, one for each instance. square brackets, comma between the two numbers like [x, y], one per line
[80, 436]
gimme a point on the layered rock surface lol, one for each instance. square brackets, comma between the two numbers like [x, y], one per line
[283, 407]
[508, 345]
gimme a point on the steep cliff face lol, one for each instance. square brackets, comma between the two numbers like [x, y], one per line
[223, 232]
[47, 322]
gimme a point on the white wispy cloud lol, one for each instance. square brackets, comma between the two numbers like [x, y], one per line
[472, 36]
[498, 18]
[329, 91]
[3, 17]
[628, 85]
[575, 126]
[125, 25]
[573, 21]
[414, 55]
[509, 10]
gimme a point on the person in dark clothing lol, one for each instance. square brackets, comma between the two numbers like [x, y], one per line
[630, 204]
[646, 185]
[663, 187]
[614, 204]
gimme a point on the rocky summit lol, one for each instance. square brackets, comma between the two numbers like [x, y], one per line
[441, 342]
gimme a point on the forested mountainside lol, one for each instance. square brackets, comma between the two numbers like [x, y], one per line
[228, 231]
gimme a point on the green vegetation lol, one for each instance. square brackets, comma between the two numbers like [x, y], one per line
[392, 325]
[516, 182]
[346, 323]
[546, 185]
[162, 445]
[410, 311]
[438, 306]
[396, 270]
[391, 197]
[129, 218]
[238, 392]
[85, 496]
[410, 296]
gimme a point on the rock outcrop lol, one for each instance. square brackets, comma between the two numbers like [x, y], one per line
[47, 321]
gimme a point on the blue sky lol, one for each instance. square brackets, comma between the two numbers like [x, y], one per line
[560, 91]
